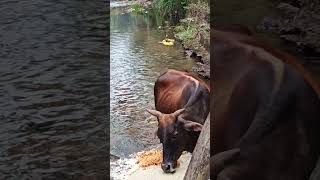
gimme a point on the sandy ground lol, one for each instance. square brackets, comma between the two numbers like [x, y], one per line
[128, 169]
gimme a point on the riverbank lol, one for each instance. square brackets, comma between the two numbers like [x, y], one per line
[297, 22]
[193, 32]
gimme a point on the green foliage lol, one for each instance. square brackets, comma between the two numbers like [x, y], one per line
[137, 8]
[171, 10]
[194, 30]
[200, 11]
[186, 33]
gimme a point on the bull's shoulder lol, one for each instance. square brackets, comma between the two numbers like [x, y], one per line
[180, 77]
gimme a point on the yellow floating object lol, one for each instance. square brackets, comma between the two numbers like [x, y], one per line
[167, 42]
[170, 40]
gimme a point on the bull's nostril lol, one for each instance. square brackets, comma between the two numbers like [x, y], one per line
[168, 167]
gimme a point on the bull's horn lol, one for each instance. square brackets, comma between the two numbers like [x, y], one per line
[154, 112]
[181, 119]
[178, 112]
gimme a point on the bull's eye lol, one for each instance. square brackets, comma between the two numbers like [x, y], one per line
[174, 135]
[160, 138]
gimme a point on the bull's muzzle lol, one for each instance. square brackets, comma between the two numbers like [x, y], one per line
[168, 167]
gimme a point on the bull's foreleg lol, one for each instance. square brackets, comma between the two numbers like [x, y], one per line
[268, 115]
[220, 160]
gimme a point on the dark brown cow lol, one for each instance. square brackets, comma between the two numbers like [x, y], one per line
[182, 105]
[266, 122]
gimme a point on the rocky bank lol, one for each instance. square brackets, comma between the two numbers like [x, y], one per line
[297, 22]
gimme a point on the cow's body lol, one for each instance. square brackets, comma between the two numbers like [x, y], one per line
[174, 89]
[182, 105]
[265, 112]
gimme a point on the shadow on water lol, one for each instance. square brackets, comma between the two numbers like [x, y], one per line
[137, 59]
[53, 89]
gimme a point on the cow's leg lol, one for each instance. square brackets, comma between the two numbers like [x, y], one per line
[220, 160]
[266, 118]
[270, 111]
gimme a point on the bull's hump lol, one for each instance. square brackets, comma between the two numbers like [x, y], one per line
[171, 96]
[186, 76]
[172, 88]
[277, 64]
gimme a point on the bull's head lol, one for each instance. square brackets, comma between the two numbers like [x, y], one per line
[176, 135]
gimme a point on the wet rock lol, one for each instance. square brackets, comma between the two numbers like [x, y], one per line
[202, 70]
[202, 59]
[190, 53]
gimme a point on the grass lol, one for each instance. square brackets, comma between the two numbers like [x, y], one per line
[171, 10]
[137, 8]
[194, 30]
[186, 33]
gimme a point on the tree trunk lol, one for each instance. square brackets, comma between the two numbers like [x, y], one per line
[199, 167]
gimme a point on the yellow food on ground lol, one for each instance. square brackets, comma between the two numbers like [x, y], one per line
[150, 158]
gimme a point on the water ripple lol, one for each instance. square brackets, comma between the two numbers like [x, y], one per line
[53, 89]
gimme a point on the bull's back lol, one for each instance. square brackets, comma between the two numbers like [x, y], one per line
[173, 89]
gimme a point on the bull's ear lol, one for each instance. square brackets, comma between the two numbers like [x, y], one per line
[190, 125]
[154, 112]
[154, 133]
[193, 126]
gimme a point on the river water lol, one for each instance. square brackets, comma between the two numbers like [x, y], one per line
[137, 59]
[53, 89]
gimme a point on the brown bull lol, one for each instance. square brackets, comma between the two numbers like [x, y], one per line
[182, 105]
[266, 122]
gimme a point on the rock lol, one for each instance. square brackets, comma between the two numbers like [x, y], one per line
[287, 10]
[190, 53]
[297, 25]
[113, 158]
[202, 70]
[270, 25]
